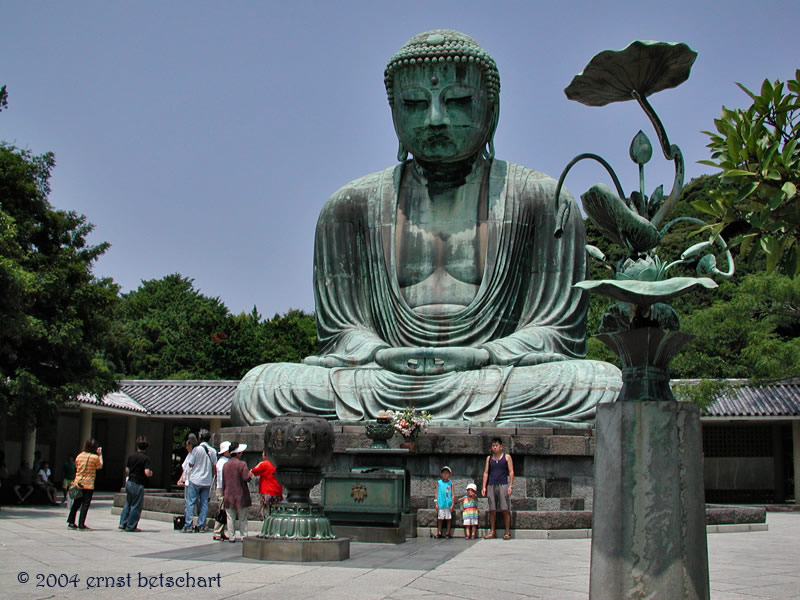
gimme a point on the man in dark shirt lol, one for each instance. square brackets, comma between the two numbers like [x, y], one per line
[139, 469]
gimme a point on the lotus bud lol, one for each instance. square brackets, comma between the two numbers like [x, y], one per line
[595, 253]
[708, 265]
[696, 250]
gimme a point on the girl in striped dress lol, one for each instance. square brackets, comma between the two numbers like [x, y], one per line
[469, 512]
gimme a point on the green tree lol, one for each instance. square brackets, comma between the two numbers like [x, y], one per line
[756, 149]
[750, 330]
[172, 330]
[55, 316]
[290, 337]
[240, 347]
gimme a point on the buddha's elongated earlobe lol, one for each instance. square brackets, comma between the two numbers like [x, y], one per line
[488, 150]
[402, 153]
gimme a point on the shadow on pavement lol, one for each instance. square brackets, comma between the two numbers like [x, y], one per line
[416, 554]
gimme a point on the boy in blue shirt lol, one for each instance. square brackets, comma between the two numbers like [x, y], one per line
[444, 502]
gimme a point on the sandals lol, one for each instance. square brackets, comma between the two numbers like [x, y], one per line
[437, 536]
[493, 535]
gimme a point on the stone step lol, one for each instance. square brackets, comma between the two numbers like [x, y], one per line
[520, 519]
[716, 515]
[539, 504]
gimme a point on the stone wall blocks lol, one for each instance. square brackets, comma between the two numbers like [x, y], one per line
[535, 431]
[573, 504]
[573, 431]
[545, 467]
[501, 432]
[568, 445]
[749, 514]
[557, 487]
[530, 445]
[356, 429]
[522, 504]
[548, 504]
[434, 430]
[534, 487]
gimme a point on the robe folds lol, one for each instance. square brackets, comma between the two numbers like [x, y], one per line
[526, 314]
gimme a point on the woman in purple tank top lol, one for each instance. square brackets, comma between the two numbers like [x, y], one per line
[498, 480]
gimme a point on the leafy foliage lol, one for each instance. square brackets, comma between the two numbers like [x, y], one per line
[702, 392]
[290, 337]
[756, 203]
[751, 330]
[171, 327]
[55, 315]
[173, 331]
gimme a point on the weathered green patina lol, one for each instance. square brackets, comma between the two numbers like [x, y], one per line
[640, 283]
[438, 282]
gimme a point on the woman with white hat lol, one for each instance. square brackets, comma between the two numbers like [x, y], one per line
[236, 493]
[224, 455]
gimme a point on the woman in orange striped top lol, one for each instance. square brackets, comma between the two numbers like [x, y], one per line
[86, 465]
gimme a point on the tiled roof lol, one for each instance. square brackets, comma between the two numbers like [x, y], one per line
[742, 399]
[118, 400]
[182, 397]
[169, 397]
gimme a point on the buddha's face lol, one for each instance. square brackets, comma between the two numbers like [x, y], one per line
[441, 112]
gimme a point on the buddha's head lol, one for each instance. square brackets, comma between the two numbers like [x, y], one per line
[444, 90]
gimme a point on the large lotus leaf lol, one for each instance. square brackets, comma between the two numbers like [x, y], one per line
[645, 293]
[618, 222]
[647, 67]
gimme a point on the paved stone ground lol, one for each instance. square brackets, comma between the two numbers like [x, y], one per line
[35, 543]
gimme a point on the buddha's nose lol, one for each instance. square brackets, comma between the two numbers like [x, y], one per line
[437, 117]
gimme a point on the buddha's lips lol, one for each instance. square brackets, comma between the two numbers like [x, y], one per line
[438, 138]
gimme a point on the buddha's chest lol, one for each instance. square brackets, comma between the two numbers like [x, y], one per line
[452, 249]
[440, 246]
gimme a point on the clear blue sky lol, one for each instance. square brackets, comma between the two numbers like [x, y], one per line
[204, 137]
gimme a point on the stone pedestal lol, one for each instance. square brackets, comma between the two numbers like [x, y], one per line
[649, 531]
[553, 466]
[296, 550]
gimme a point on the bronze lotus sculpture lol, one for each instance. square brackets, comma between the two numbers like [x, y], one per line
[632, 222]
[641, 329]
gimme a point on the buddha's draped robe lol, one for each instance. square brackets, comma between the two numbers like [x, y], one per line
[525, 306]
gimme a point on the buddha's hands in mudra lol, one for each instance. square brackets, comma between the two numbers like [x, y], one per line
[431, 361]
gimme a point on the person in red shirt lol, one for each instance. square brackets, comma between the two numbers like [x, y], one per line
[268, 487]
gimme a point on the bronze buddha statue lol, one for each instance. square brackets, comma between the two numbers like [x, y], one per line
[438, 282]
